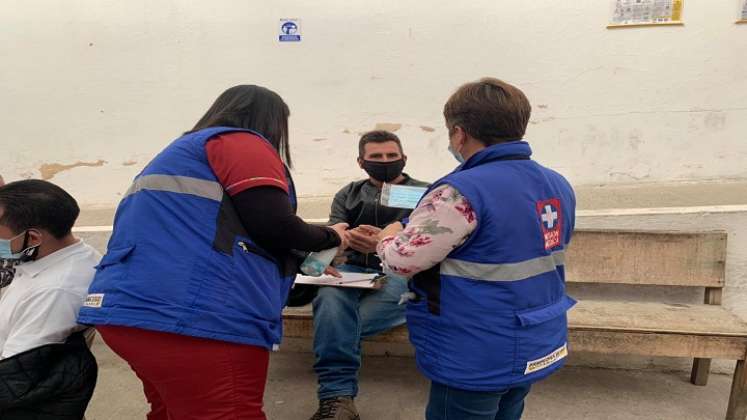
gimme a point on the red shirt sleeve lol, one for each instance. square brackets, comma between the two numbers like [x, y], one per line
[242, 160]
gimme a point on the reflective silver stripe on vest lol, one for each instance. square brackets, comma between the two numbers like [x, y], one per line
[178, 184]
[503, 272]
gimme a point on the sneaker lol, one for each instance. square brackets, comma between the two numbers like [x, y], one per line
[337, 408]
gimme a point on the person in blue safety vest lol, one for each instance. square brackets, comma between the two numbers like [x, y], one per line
[204, 250]
[485, 253]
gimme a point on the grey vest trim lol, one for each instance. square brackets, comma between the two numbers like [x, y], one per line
[503, 272]
[178, 184]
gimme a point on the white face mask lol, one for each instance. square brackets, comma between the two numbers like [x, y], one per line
[458, 156]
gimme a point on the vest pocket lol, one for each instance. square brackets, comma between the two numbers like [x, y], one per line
[260, 289]
[115, 256]
[112, 269]
[541, 338]
[535, 316]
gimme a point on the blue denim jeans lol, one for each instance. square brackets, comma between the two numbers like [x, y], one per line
[342, 316]
[447, 403]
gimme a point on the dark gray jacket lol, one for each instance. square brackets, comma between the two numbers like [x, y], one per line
[358, 204]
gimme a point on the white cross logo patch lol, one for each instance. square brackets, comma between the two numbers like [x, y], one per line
[549, 216]
[551, 222]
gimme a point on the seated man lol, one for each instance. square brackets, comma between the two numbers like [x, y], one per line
[46, 369]
[342, 316]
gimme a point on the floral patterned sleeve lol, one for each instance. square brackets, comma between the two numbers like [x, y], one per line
[443, 220]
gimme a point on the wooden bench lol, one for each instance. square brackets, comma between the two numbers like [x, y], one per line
[640, 258]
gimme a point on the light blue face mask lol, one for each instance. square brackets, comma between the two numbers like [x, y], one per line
[458, 156]
[6, 251]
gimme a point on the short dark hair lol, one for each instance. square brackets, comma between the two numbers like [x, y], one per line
[489, 110]
[34, 203]
[377, 136]
[253, 108]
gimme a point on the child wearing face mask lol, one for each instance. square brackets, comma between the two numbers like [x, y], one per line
[44, 277]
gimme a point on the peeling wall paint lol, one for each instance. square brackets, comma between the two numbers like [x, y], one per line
[622, 106]
[388, 126]
[49, 170]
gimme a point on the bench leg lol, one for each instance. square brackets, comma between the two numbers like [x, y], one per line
[738, 399]
[701, 369]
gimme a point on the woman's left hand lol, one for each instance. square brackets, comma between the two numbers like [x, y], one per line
[391, 230]
[332, 271]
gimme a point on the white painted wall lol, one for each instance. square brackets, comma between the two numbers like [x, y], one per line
[90, 80]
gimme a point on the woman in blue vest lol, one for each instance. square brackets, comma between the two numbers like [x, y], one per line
[201, 259]
[484, 249]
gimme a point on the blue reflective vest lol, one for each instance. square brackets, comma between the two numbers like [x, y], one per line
[180, 261]
[492, 315]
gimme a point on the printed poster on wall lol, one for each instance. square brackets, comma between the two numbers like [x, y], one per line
[743, 15]
[646, 12]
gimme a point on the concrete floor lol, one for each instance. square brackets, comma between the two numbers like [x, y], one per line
[392, 389]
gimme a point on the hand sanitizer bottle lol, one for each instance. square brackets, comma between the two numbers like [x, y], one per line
[316, 262]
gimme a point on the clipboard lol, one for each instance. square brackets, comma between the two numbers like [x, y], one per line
[373, 281]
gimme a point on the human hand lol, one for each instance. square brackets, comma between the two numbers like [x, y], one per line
[331, 271]
[342, 259]
[371, 230]
[341, 229]
[390, 230]
[362, 241]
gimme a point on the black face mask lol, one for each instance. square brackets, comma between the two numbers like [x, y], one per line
[384, 171]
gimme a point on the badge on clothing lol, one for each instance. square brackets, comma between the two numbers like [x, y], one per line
[551, 220]
[547, 361]
[94, 300]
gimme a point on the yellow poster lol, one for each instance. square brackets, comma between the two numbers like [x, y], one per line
[647, 12]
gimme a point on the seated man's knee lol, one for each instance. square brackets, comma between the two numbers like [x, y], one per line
[333, 297]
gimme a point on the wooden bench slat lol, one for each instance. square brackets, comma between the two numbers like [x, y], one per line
[647, 258]
[607, 342]
[640, 317]
[651, 344]
[707, 320]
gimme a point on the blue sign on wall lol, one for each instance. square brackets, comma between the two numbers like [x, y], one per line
[290, 30]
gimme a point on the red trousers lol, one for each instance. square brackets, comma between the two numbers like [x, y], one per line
[188, 378]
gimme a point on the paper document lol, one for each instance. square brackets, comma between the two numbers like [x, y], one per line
[359, 280]
[401, 196]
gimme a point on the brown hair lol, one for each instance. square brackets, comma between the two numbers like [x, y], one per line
[489, 110]
[377, 136]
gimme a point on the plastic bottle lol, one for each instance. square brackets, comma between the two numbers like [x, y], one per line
[316, 262]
